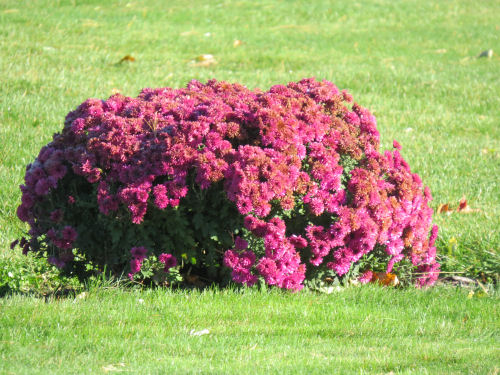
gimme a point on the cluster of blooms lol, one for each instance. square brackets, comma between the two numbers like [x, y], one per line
[281, 264]
[139, 254]
[269, 150]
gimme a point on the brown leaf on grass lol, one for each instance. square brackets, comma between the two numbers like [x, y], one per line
[463, 207]
[237, 43]
[386, 279]
[203, 60]
[443, 208]
[127, 58]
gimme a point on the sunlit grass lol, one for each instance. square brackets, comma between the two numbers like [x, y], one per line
[357, 330]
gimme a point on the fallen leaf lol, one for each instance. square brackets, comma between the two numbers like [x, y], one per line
[6, 11]
[199, 333]
[127, 58]
[386, 279]
[390, 279]
[443, 208]
[237, 43]
[205, 57]
[462, 205]
[204, 60]
[442, 50]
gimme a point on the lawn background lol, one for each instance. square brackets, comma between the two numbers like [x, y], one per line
[412, 63]
[370, 330]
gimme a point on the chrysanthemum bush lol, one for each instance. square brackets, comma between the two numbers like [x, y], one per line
[284, 186]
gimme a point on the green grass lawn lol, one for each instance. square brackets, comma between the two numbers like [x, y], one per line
[366, 330]
[412, 63]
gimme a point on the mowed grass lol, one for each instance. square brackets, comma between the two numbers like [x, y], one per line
[413, 64]
[359, 330]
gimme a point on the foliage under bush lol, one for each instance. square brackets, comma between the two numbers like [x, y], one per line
[285, 185]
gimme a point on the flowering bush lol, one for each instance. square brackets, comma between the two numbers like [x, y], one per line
[281, 186]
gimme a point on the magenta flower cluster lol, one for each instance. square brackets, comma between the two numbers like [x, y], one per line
[272, 152]
[139, 253]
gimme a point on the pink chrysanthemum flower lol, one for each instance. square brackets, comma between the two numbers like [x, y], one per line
[139, 252]
[168, 260]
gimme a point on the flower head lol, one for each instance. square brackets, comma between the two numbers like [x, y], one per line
[168, 260]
